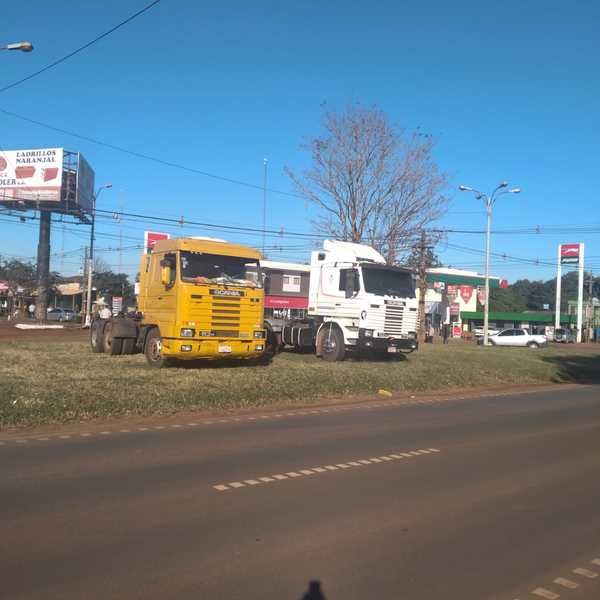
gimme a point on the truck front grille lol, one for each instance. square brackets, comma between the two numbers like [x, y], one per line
[394, 319]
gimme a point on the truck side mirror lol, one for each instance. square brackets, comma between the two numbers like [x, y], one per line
[166, 272]
[351, 283]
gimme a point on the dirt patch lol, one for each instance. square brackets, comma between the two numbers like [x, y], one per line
[69, 333]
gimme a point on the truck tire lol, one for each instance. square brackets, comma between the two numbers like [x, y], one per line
[152, 350]
[97, 336]
[128, 346]
[331, 344]
[112, 345]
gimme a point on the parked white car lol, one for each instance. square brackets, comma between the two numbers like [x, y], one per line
[518, 337]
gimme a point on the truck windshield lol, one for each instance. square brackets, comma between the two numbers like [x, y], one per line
[388, 281]
[200, 267]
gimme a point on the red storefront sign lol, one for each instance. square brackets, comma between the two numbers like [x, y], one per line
[151, 237]
[286, 302]
[466, 291]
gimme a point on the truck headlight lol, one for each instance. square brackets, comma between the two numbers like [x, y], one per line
[187, 332]
[259, 334]
[186, 347]
[258, 347]
[368, 333]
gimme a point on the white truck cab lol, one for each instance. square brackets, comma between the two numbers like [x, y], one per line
[356, 302]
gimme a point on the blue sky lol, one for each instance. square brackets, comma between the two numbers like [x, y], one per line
[510, 91]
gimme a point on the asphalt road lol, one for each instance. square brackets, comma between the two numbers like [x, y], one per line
[495, 498]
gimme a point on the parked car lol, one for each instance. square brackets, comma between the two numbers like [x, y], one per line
[517, 337]
[60, 314]
[564, 336]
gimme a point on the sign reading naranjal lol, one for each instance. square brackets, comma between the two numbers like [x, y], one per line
[31, 175]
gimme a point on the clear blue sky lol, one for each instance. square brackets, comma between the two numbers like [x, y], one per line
[509, 89]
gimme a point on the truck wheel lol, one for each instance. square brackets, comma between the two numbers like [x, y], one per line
[97, 336]
[153, 350]
[331, 343]
[128, 346]
[112, 345]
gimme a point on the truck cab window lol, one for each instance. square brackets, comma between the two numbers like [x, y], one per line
[344, 279]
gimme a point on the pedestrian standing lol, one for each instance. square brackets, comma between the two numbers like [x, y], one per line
[445, 333]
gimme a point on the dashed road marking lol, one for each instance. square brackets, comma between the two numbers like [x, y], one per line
[585, 573]
[595, 561]
[544, 593]
[567, 583]
[317, 470]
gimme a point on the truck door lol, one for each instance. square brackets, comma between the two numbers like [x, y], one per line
[161, 305]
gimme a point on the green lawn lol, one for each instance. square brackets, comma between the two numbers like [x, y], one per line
[62, 382]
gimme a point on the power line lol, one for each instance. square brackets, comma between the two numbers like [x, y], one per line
[146, 156]
[80, 49]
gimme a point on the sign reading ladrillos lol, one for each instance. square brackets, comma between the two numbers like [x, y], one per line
[31, 175]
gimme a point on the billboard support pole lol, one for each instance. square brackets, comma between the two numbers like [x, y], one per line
[580, 294]
[558, 289]
[88, 305]
[43, 265]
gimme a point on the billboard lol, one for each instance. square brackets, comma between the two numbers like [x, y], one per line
[84, 190]
[31, 175]
[569, 254]
[151, 237]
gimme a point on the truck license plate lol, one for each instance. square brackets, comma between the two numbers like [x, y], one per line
[224, 348]
[392, 349]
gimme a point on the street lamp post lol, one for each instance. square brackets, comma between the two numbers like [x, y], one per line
[22, 46]
[88, 308]
[489, 201]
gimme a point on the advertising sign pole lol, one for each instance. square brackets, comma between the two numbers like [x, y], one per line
[580, 295]
[43, 266]
[558, 290]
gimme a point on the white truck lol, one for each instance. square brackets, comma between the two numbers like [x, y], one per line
[356, 303]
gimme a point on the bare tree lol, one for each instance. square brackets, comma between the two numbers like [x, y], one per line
[374, 183]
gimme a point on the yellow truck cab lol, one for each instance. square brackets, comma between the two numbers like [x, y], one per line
[199, 298]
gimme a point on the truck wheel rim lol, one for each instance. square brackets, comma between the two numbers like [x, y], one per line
[155, 349]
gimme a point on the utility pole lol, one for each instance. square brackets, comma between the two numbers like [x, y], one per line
[264, 233]
[43, 266]
[422, 273]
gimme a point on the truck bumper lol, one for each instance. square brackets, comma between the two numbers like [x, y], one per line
[211, 349]
[391, 345]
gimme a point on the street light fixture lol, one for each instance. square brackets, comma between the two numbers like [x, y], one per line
[22, 46]
[88, 307]
[489, 201]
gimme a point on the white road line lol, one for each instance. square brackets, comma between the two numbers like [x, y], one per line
[544, 593]
[397, 456]
[567, 583]
[105, 432]
[596, 561]
[406, 455]
[64, 437]
[313, 471]
[586, 573]
[433, 449]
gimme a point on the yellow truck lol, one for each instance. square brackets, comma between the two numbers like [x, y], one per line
[199, 299]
